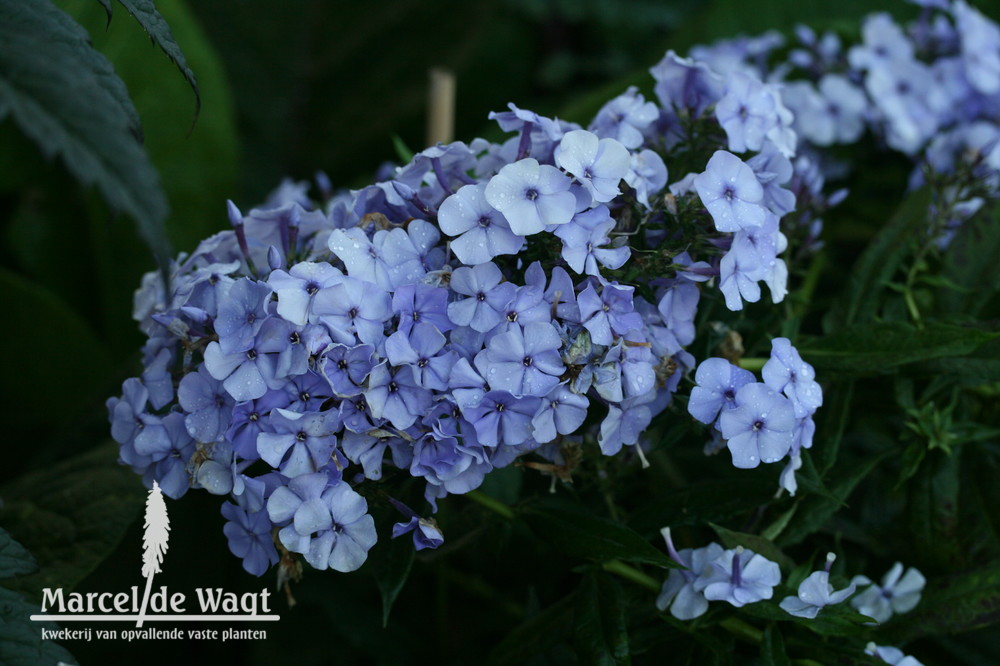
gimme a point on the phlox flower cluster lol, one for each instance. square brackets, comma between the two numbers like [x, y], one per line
[469, 310]
[760, 421]
[737, 575]
[485, 301]
[927, 89]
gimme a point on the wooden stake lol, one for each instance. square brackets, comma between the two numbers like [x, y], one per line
[441, 107]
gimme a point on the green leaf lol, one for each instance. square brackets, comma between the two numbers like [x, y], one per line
[706, 501]
[961, 602]
[537, 635]
[816, 510]
[913, 455]
[21, 641]
[772, 531]
[15, 560]
[879, 347]
[94, 135]
[392, 569]
[35, 321]
[831, 422]
[932, 508]
[882, 258]
[772, 649]
[107, 8]
[970, 264]
[70, 515]
[144, 11]
[600, 634]
[403, 151]
[757, 544]
[585, 535]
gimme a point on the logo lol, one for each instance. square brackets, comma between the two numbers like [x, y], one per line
[161, 605]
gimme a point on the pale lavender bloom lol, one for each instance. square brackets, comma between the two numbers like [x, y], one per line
[610, 314]
[738, 275]
[599, 164]
[482, 231]
[426, 533]
[623, 425]
[487, 296]
[900, 91]
[787, 478]
[583, 239]
[360, 256]
[209, 407]
[249, 537]
[739, 576]
[394, 394]
[241, 315]
[980, 47]
[420, 349]
[531, 196]
[760, 427]
[296, 288]
[898, 593]
[625, 118]
[248, 421]
[682, 83]
[891, 655]
[717, 380]
[422, 302]
[785, 371]
[158, 379]
[354, 307]
[647, 175]
[328, 524]
[523, 363]
[884, 42]
[368, 450]
[410, 253]
[846, 103]
[773, 170]
[678, 307]
[527, 305]
[467, 386]
[678, 591]
[300, 443]
[814, 593]
[561, 412]
[245, 375]
[755, 257]
[499, 417]
[169, 466]
[731, 193]
[448, 464]
[746, 112]
[346, 367]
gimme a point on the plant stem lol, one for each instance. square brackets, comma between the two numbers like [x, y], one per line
[490, 503]
[741, 629]
[752, 364]
[630, 573]
[733, 625]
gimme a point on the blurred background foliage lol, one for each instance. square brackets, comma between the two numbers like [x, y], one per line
[288, 89]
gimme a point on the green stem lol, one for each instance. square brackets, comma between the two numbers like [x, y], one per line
[490, 503]
[753, 364]
[629, 573]
[741, 629]
[735, 626]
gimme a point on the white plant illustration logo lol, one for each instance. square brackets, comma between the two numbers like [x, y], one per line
[154, 542]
